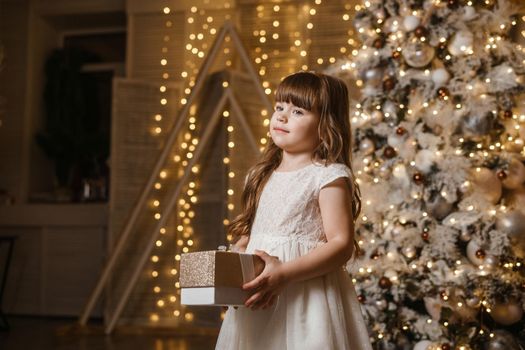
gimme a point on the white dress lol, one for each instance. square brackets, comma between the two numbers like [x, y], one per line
[319, 313]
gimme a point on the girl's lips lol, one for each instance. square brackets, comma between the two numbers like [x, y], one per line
[281, 130]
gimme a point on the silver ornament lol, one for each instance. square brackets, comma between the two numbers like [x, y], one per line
[513, 223]
[392, 24]
[418, 54]
[409, 251]
[373, 77]
[410, 23]
[502, 340]
[439, 207]
[440, 76]
[376, 116]
[381, 304]
[367, 146]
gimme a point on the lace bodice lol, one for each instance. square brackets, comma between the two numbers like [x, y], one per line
[289, 204]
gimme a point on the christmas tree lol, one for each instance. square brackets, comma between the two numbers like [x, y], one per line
[439, 150]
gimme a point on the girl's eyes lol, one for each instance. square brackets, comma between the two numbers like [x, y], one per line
[294, 111]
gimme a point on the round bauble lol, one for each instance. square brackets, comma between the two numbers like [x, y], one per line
[395, 140]
[411, 22]
[472, 248]
[400, 173]
[390, 109]
[440, 76]
[513, 223]
[367, 146]
[507, 313]
[419, 178]
[389, 152]
[418, 54]
[461, 43]
[391, 274]
[401, 131]
[420, 31]
[516, 199]
[439, 208]
[424, 160]
[515, 174]
[392, 24]
[379, 42]
[385, 283]
[376, 116]
[487, 183]
[469, 13]
[423, 345]
[381, 304]
[373, 76]
[502, 340]
[409, 252]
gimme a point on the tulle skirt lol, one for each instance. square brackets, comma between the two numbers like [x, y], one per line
[320, 313]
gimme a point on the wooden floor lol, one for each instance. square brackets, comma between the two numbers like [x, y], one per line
[30, 333]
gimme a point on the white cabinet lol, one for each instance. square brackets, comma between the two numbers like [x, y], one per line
[57, 257]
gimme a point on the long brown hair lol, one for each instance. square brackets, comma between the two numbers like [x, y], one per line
[328, 98]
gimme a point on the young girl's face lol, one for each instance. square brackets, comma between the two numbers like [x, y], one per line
[294, 129]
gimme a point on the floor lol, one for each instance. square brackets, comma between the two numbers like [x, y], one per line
[28, 333]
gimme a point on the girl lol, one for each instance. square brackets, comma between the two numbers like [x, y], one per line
[299, 206]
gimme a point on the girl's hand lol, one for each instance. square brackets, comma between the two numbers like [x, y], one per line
[268, 284]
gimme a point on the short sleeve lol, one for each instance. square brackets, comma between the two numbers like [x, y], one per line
[333, 172]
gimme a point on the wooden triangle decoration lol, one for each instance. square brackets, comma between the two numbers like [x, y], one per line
[227, 97]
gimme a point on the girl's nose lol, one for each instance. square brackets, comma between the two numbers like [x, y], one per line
[281, 117]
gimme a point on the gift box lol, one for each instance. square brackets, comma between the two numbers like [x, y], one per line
[216, 277]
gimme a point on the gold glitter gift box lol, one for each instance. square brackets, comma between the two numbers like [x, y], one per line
[216, 277]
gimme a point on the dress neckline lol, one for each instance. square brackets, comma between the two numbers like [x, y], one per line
[296, 170]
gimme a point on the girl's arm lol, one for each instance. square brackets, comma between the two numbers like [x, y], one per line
[335, 204]
[242, 243]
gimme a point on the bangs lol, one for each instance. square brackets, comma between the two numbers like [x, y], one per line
[301, 89]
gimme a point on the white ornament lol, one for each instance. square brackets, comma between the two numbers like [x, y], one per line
[400, 173]
[410, 23]
[422, 345]
[461, 44]
[367, 146]
[440, 76]
[376, 116]
[424, 160]
[395, 140]
[469, 13]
